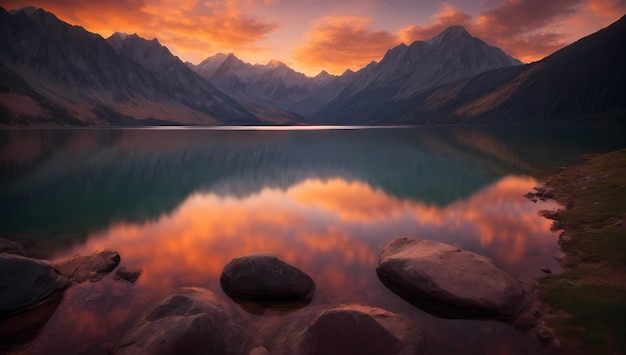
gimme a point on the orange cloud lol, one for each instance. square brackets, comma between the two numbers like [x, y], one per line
[195, 29]
[190, 28]
[337, 43]
[516, 17]
[447, 17]
[522, 31]
[595, 14]
[515, 26]
[607, 8]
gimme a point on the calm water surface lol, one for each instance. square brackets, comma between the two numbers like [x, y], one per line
[181, 203]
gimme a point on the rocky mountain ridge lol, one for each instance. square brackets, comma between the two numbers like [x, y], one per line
[58, 74]
[583, 82]
[272, 84]
[405, 70]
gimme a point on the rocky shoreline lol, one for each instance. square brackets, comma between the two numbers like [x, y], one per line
[32, 289]
[438, 278]
[585, 303]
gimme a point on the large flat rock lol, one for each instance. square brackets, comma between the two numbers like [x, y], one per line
[264, 276]
[189, 321]
[26, 282]
[90, 267]
[449, 282]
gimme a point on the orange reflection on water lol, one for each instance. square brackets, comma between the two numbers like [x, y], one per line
[315, 219]
[508, 225]
[350, 201]
[501, 218]
[334, 230]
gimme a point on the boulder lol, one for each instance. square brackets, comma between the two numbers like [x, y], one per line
[9, 247]
[264, 276]
[92, 267]
[189, 321]
[356, 329]
[130, 275]
[448, 282]
[26, 282]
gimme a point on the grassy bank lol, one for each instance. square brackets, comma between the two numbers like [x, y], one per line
[587, 303]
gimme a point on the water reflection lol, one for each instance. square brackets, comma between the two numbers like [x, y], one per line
[181, 204]
[332, 229]
[345, 223]
[76, 182]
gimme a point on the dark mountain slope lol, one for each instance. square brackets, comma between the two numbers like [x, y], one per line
[585, 81]
[58, 67]
[403, 72]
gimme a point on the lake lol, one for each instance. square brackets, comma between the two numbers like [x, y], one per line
[181, 203]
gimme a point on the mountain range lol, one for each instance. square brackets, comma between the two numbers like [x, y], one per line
[57, 74]
[404, 71]
[583, 82]
[273, 84]
[54, 73]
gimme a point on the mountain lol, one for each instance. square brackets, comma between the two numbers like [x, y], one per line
[58, 74]
[54, 73]
[403, 72]
[273, 84]
[584, 81]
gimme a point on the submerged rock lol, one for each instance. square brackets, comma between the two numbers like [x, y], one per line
[344, 329]
[190, 321]
[549, 214]
[260, 350]
[9, 247]
[360, 330]
[448, 282]
[130, 275]
[26, 282]
[92, 267]
[23, 327]
[264, 276]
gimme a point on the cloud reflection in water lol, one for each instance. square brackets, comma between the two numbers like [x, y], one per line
[334, 230]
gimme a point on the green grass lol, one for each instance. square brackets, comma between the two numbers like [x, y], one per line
[588, 301]
[596, 313]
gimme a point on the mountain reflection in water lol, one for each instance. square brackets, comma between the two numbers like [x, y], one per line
[182, 204]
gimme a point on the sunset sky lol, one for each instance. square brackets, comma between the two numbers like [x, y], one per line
[311, 35]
